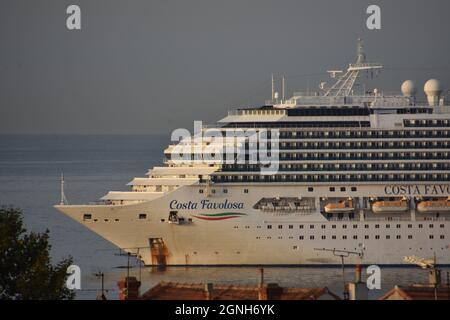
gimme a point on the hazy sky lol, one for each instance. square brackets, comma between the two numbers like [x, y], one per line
[151, 66]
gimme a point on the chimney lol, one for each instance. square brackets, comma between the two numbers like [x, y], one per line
[358, 273]
[209, 291]
[358, 290]
[434, 277]
[129, 288]
[261, 277]
[271, 291]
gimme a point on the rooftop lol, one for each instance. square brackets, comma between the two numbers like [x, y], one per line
[199, 291]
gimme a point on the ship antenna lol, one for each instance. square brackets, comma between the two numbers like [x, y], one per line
[63, 196]
[273, 89]
[344, 84]
[360, 52]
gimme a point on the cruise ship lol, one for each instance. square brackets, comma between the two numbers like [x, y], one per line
[297, 181]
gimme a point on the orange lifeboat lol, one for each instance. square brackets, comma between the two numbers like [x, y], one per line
[434, 206]
[344, 206]
[390, 206]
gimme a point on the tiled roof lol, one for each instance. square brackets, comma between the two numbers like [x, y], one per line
[417, 293]
[196, 291]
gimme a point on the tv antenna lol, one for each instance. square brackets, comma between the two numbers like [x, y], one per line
[342, 254]
[102, 276]
[427, 264]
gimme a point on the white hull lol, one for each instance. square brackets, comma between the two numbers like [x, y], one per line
[247, 239]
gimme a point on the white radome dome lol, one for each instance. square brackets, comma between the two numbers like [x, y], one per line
[433, 87]
[409, 88]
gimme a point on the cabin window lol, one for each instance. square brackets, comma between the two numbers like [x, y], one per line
[301, 237]
[366, 237]
[311, 237]
[310, 189]
[431, 236]
[245, 190]
[354, 189]
[142, 216]
[410, 237]
[87, 216]
[200, 191]
[344, 237]
[343, 189]
[291, 226]
[280, 226]
[269, 226]
[442, 236]
[332, 189]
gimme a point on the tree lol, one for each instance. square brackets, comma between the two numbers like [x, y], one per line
[26, 271]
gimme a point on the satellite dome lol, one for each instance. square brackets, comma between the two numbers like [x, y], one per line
[433, 87]
[409, 88]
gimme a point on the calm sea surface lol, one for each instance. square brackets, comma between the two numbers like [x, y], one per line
[30, 167]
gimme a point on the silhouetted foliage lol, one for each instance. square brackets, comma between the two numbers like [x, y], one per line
[26, 271]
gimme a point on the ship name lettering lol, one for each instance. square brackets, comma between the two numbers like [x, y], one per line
[404, 190]
[205, 205]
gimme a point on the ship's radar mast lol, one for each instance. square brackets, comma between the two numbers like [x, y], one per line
[344, 84]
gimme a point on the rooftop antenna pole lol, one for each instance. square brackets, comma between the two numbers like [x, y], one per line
[282, 89]
[63, 196]
[342, 254]
[128, 273]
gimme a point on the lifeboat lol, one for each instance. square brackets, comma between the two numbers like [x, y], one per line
[344, 206]
[434, 206]
[390, 206]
